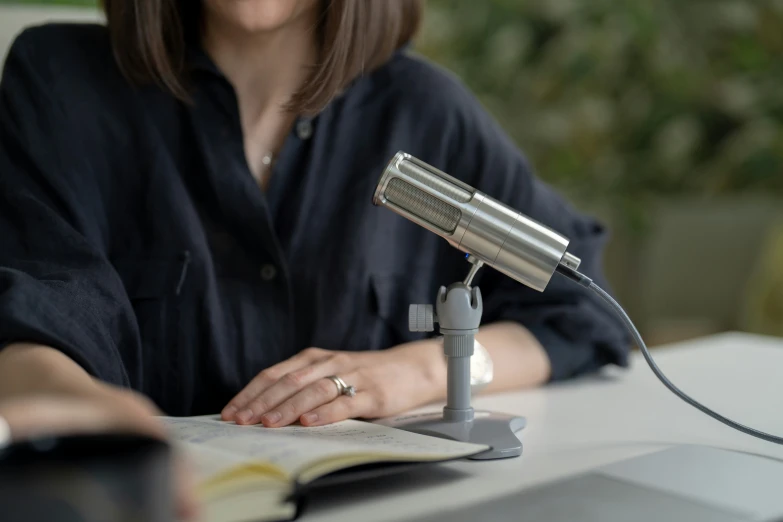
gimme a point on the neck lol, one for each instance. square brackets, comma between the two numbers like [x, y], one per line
[266, 68]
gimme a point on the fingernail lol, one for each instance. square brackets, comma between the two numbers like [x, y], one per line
[271, 417]
[244, 416]
[309, 418]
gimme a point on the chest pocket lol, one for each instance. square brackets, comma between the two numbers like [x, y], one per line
[154, 289]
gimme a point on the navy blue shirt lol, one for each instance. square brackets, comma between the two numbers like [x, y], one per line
[134, 238]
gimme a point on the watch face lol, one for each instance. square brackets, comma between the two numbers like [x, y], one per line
[481, 368]
[478, 368]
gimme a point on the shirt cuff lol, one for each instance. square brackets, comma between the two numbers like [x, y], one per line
[569, 359]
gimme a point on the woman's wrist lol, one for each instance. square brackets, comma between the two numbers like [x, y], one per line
[518, 360]
[106, 410]
[35, 379]
[428, 361]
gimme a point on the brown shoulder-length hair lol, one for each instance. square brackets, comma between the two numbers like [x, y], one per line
[149, 40]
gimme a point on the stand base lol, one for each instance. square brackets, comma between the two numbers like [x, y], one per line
[496, 430]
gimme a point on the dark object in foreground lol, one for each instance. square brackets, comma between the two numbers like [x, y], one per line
[90, 478]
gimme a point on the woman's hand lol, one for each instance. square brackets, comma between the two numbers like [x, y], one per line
[108, 410]
[111, 410]
[387, 382]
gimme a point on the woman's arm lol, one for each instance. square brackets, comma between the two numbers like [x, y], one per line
[44, 393]
[518, 359]
[64, 312]
[388, 381]
[27, 369]
[35, 371]
[57, 287]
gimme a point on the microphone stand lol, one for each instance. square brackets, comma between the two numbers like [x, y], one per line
[458, 311]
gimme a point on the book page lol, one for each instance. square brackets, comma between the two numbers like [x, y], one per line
[208, 461]
[294, 448]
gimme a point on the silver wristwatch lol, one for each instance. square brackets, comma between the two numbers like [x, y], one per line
[481, 368]
[5, 433]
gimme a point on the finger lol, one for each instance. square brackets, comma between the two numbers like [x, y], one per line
[267, 378]
[290, 385]
[318, 393]
[342, 408]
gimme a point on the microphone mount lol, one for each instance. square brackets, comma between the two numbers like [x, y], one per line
[458, 310]
[476, 266]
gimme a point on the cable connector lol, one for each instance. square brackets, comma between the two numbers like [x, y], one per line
[575, 276]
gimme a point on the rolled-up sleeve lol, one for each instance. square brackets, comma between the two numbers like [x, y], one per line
[57, 287]
[577, 331]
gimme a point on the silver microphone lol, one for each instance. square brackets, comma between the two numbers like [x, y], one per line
[512, 243]
[473, 222]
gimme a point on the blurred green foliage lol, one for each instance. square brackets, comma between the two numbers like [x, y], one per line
[624, 101]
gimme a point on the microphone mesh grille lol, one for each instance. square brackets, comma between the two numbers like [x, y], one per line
[423, 205]
[449, 190]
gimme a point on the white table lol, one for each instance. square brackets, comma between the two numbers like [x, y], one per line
[578, 425]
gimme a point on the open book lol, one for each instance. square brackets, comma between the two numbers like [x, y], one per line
[249, 473]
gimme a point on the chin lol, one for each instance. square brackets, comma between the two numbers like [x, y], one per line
[259, 15]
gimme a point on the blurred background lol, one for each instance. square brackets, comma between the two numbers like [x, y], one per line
[664, 119]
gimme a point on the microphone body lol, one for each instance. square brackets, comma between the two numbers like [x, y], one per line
[473, 222]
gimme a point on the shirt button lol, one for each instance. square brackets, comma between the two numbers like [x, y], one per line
[268, 272]
[304, 129]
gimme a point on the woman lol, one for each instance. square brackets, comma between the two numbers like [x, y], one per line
[186, 213]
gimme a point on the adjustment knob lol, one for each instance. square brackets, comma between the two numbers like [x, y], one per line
[421, 318]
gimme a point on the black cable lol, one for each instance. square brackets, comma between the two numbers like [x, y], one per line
[586, 282]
